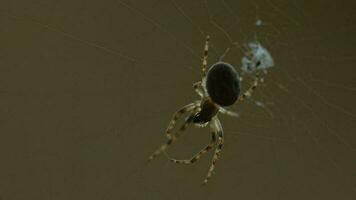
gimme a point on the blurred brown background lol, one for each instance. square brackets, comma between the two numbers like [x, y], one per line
[87, 89]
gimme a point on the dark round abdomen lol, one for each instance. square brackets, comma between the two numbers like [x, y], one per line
[223, 84]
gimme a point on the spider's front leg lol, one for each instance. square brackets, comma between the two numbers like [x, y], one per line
[205, 56]
[199, 154]
[170, 137]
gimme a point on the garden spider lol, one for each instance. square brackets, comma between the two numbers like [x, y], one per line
[219, 88]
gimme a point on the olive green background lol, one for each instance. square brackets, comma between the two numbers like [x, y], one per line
[87, 89]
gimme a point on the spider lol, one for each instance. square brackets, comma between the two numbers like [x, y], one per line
[218, 89]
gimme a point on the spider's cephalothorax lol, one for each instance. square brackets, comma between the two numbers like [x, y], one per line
[206, 112]
[223, 84]
[219, 88]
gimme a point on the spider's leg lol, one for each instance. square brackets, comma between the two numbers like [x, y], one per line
[177, 115]
[198, 88]
[229, 112]
[216, 126]
[170, 140]
[250, 90]
[205, 55]
[199, 154]
[170, 127]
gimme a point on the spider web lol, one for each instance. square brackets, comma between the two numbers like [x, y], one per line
[295, 136]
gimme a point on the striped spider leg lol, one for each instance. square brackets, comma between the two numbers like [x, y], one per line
[216, 128]
[171, 137]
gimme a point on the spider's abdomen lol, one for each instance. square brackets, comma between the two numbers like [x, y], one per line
[223, 84]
